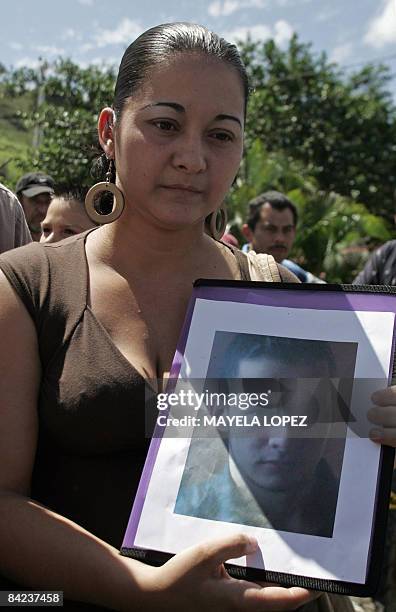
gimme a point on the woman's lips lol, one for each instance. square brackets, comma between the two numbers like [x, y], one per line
[177, 187]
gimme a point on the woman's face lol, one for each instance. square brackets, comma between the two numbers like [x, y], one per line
[179, 141]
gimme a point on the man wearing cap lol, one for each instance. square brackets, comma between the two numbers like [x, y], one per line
[35, 191]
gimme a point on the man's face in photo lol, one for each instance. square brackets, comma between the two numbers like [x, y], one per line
[271, 460]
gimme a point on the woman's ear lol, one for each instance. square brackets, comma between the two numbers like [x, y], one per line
[106, 131]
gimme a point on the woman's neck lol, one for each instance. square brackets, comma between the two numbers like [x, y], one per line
[122, 245]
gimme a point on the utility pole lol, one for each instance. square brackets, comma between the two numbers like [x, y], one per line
[37, 130]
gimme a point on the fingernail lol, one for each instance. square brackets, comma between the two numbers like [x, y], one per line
[375, 396]
[376, 434]
[252, 545]
[371, 413]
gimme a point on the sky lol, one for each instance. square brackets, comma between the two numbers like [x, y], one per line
[98, 31]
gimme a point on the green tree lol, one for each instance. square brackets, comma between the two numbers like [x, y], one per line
[326, 139]
[333, 230]
[342, 128]
[65, 101]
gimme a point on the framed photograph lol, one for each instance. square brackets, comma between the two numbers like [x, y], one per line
[263, 429]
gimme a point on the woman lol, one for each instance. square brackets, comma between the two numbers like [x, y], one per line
[87, 320]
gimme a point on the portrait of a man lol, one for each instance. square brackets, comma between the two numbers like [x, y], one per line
[269, 478]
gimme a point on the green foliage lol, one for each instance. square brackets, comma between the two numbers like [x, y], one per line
[343, 129]
[333, 230]
[66, 150]
[15, 138]
[325, 139]
[62, 117]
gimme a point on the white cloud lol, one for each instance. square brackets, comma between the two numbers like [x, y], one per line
[16, 46]
[87, 47]
[257, 32]
[341, 53]
[125, 32]
[108, 61]
[326, 14]
[70, 34]
[281, 32]
[86, 2]
[382, 29]
[220, 8]
[27, 62]
[284, 3]
[101, 62]
[49, 50]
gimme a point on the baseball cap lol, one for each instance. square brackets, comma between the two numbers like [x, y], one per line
[34, 183]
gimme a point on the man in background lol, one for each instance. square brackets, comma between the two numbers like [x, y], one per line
[271, 228]
[380, 269]
[14, 231]
[35, 191]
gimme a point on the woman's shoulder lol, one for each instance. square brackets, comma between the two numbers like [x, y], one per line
[36, 255]
[263, 267]
[260, 267]
[26, 269]
[38, 272]
[286, 275]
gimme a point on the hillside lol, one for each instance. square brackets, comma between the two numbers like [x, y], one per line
[15, 139]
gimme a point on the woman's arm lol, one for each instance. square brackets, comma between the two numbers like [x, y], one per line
[41, 549]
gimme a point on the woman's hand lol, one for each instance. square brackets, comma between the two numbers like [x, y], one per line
[383, 416]
[195, 580]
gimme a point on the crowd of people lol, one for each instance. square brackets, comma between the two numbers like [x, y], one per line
[91, 313]
[40, 213]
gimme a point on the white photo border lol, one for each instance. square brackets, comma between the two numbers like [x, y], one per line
[341, 558]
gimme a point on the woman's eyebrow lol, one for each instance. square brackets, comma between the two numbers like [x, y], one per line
[223, 117]
[177, 107]
[180, 109]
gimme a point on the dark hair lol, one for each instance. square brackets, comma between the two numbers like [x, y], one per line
[66, 192]
[77, 194]
[288, 351]
[276, 199]
[162, 42]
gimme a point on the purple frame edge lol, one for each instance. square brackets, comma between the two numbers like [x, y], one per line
[305, 299]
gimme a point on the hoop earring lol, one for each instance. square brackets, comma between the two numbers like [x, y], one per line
[217, 222]
[93, 212]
